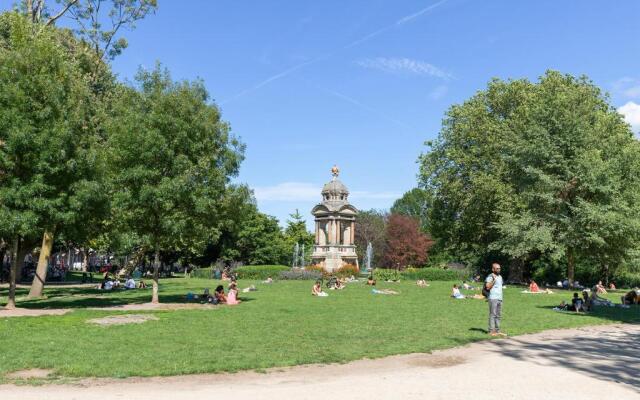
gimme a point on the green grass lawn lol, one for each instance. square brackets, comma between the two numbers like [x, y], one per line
[279, 325]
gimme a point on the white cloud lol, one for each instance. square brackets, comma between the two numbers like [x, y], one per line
[628, 87]
[631, 112]
[303, 191]
[404, 66]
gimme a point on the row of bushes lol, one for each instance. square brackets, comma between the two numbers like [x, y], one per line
[428, 274]
[312, 272]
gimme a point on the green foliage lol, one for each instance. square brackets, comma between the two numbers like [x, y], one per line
[257, 272]
[384, 274]
[415, 204]
[50, 168]
[371, 228]
[171, 157]
[296, 232]
[626, 280]
[433, 274]
[526, 170]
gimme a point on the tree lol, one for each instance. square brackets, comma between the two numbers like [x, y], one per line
[406, 244]
[47, 159]
[171, 158]
[415, 204]
[296, 232]
[524, 170]
[371, 228]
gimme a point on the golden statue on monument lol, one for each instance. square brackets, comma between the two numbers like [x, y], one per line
[335, 171]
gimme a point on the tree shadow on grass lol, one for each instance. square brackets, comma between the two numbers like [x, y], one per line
[93, 298]
[629, 315]
[606, 355]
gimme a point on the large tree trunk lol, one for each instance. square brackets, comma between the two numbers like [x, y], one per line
[43, 261]
[85, 259]
[571, 266]
[11, 303]
[156, 271]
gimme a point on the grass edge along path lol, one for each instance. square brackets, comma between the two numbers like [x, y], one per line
[279, 325]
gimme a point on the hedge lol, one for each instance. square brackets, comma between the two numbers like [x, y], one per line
[260, 271]
[429, 274]
[300, 275]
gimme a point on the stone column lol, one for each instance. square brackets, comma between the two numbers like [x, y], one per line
[339, 233]
[353, 232]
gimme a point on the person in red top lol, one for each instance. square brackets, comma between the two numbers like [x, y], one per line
[533, 286]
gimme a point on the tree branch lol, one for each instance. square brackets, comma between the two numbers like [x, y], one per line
[61, 13]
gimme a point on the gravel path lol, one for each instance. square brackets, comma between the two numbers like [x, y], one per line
[587, 363]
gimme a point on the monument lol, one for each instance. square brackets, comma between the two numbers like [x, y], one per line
[335, 226]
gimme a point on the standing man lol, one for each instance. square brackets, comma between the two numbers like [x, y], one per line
[493, 284]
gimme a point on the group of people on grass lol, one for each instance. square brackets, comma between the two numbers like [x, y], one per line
[111, 282]
[219, 296]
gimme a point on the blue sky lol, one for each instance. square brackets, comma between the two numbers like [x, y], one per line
[363, 84]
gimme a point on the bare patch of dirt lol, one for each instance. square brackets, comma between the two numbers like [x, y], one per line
[436, 361]
[25, 312]
[161, 306]
[33, 373]
[123, 319]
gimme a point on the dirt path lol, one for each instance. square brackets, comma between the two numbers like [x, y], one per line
[587, 363]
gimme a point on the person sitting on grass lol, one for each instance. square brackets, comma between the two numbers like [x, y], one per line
[219, 295]
[600, 288]
[577, 303]
[317, 290]
[142, 285]
[232, 297]
[130, 283]
[612, 286]
[630, 298]
[533, 286]
[422, 283]
[371, 281]
[455, 293]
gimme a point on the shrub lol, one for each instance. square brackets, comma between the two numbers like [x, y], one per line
[300, 275]
[626, 279]
[432, 274]
[318, 269]
[260, 271]
[347, 270]
[203, 273]
[383, 274]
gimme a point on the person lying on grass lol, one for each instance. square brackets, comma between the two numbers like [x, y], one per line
[316, 290]
[219, 296]
[466, 286]
[232, 297]
[268, 280]
[422, 283]
[383, 291]
[596, 300]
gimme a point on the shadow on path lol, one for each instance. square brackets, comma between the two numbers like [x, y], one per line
[612, 356]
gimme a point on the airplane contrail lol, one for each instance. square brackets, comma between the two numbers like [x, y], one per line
[365, 38]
